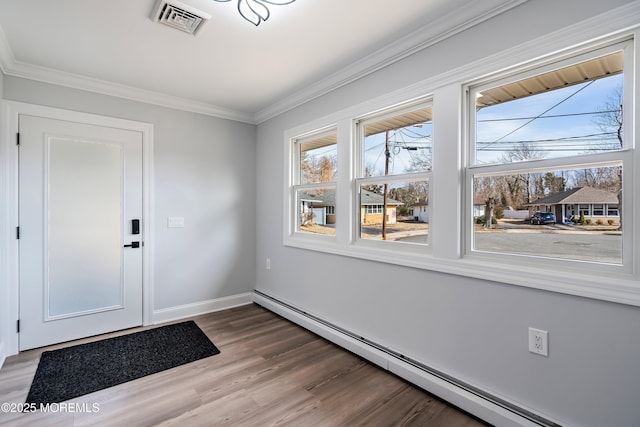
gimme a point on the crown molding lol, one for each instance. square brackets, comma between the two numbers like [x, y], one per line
[449, 25]
[11, 67]
[76, 81]
[7, 60]
[431, 33]
[455, 22]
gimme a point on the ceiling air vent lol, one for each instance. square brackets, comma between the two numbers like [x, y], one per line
[180, 16]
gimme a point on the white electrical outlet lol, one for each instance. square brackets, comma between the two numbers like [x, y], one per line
[539, 342]
[268, 264]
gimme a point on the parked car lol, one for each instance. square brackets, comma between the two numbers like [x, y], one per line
[543, 218]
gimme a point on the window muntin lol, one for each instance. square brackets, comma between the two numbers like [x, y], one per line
[314, 183]
[575, 109]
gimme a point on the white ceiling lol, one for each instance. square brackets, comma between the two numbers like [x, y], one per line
[232, 69]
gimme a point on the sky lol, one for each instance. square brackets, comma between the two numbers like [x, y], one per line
[558, 123]
[497, 132]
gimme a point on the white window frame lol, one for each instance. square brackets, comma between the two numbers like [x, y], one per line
[624, 156]
[451, 200]
[359, 124]
[292, 223]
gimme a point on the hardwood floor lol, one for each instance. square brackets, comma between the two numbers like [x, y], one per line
[269, 372]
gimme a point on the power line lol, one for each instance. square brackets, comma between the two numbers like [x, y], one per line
[589, 137]
[546, 111]
[549, 117]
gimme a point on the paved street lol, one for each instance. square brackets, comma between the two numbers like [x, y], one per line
[596, 246]
[554, 241]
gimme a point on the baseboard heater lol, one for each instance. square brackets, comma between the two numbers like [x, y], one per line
[263, 299]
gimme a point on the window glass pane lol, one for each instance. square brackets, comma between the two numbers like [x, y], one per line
[398, 144]
[562, 113]
[550, 214]
[406, 217]
[319, 159]
[316, 210]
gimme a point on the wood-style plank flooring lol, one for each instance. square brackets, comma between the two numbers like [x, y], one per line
[269, 372]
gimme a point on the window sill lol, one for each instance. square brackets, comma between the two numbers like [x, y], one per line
[618, 287]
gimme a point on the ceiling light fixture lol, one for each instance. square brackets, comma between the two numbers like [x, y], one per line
[256, 11]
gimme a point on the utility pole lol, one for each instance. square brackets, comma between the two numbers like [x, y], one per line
[387, 155]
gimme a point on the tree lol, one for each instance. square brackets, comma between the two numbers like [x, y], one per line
[489, 204]
[529, 183]
[326, 169]
[422, 161]
[554, 183]
[610, 120]
[317, 170]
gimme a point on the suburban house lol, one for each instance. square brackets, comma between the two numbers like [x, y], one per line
[372, 208]
[152, 171]
[322, 208]
[420, 211]
[593, 203]
[478, 206]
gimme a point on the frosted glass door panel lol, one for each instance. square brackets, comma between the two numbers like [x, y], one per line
[84, 228]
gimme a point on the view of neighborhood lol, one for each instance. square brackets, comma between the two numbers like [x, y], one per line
[561, 212]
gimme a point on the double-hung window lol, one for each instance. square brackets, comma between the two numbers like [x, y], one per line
[549, 148]
[315, 161]
[393, 173]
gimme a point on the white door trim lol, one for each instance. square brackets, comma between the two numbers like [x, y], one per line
[9, 267]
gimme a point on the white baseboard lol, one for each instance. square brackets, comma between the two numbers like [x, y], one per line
[198, 308]
[470, 402]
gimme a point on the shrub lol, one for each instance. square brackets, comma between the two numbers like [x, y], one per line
[600, 221]
[580, 220]
[498, 212]
[611, 221]
[480, 220]
[587, 221]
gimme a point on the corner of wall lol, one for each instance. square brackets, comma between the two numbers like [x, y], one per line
[203, 307]
[3, 260]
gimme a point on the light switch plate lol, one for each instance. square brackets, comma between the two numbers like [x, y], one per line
[175, 222]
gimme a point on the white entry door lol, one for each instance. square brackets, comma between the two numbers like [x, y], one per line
[80, 210]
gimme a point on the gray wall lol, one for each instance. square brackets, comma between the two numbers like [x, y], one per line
[204, 172]
[472, 329]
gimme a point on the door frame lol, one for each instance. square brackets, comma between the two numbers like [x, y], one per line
[9, 259]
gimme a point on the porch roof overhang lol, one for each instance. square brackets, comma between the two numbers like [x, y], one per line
[594, 69]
